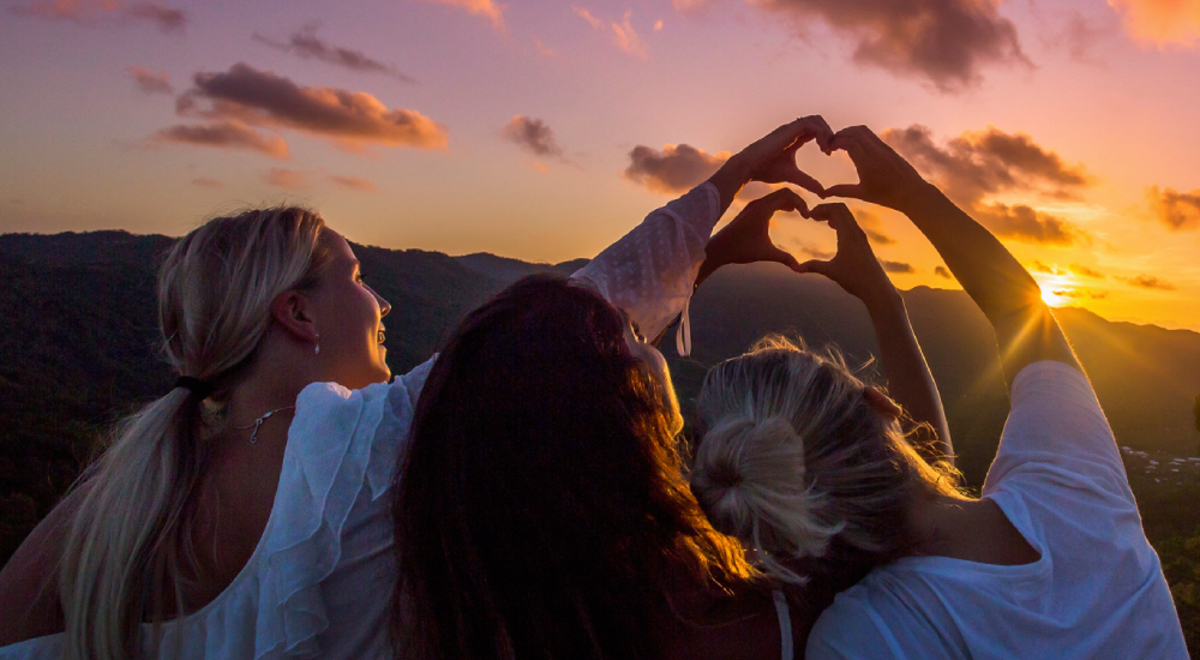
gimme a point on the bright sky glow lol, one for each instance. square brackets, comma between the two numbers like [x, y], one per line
[544, 130]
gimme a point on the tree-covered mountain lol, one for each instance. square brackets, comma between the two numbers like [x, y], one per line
[78, 346]
[78, 350]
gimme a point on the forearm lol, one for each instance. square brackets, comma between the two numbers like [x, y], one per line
[910, 382]
[729, 180]
[1010, 298]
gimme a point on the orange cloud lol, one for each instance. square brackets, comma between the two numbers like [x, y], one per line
[149, 81]
[898, 267]
[1175, 209]
[674, 169]
[92, 12]
[624, 36]
[1149, 282]
[1161, 22]
[305, 44]
[230, 134]
[534, 136]
[485, 8]
[870, 223]
[205, 182]
[290, 179]
[353, 183]
[977, 164]
[1084, 271]
[350, 119]
[943, 41]
[941, 271]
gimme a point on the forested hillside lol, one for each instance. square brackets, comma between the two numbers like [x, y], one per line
[78, 350]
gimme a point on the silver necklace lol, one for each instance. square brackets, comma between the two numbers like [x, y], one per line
[259, 422]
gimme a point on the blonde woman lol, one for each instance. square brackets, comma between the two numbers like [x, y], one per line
[243, 515]
[812, 467]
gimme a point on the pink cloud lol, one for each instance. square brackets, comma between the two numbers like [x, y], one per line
[305, 44]
[289, 179]
[230, 134]
[149, 81]
[93, 12]
[353, 183]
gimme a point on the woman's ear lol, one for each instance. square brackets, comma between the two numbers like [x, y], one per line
[881, 403]
[293, 312]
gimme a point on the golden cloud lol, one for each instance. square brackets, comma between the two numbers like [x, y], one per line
[1161, 21]
[485, 8]
[349, 119]
[1175, 209]
[978, 164]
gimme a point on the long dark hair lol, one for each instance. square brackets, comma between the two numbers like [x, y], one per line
[541, 508]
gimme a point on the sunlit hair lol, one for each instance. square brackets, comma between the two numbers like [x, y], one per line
[129, 550]
[796, 462]
[541, 509]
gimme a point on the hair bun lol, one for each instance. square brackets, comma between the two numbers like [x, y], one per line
[749, 478]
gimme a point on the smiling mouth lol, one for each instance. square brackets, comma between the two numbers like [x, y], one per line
[380, 336]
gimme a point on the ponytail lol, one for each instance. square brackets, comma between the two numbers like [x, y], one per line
[129, 547]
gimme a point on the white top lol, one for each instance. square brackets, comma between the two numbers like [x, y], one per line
[319, 582]
[1096, 592]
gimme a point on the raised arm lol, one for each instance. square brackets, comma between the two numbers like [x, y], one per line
[910, 383]
[651, 271]
[1025, 328]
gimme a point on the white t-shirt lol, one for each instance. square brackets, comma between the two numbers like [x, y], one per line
[319, 582]
[1096, 592]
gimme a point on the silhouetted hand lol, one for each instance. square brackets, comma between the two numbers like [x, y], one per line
[772, 159]
[746, 239]
[854, 267]
[885, 178]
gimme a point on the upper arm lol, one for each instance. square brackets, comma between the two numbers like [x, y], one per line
[1029, 333]
[1057, 431]
[29, 599]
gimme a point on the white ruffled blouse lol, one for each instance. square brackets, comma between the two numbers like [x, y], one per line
[319, 582]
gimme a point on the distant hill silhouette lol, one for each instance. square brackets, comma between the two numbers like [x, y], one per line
[77, 346]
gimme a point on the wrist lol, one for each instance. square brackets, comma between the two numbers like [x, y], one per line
[920, 196]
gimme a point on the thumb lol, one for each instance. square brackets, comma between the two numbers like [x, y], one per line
[814, 266]
[851, 190]
[784, 257]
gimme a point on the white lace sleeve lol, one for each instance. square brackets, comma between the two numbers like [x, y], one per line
[651, 272]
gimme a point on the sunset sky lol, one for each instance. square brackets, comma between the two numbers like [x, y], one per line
[544, 130]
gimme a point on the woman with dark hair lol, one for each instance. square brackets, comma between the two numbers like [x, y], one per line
[541, 504]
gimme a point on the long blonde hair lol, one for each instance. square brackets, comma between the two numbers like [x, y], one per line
[129, 542]
[792, 458]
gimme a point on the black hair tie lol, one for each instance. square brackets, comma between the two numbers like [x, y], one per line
[199, 388]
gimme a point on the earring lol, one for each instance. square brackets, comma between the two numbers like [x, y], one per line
[317, 346]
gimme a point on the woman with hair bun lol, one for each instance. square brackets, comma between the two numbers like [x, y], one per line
[813, 469]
